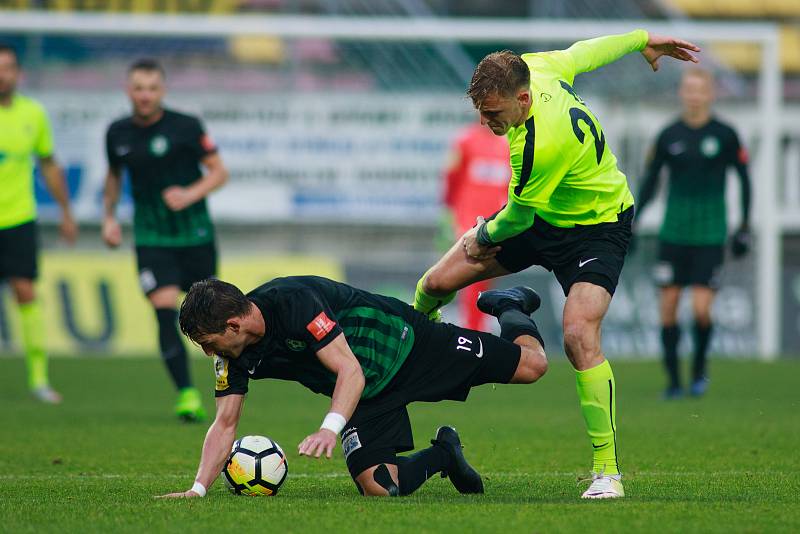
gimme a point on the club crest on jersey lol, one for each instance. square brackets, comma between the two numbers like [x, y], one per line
[159, 145]
[320, 326]
[295, 345]
[709, 146]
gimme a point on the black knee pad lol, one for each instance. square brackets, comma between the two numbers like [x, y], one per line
[514, 323]
[384, 479]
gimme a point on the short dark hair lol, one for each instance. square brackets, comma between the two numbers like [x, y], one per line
[147, 64]
[208, 306]
[8, 49]
[501, 72]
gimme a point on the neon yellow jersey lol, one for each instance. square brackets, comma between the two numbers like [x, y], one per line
[561, 164]
[24, 133]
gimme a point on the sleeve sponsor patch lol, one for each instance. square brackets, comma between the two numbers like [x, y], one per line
[221, 372]
[743, 156]
[320, 326]
[207, 143]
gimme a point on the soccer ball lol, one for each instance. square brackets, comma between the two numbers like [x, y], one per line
[256, 466]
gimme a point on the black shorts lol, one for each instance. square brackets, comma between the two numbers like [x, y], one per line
[19, 247]
[445, 363]
[592, 253]
[688, 265]
[175, 266]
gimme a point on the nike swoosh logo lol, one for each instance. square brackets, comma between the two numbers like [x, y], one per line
[252, 371]
[582, 263]
[599, 446]
[480, 349]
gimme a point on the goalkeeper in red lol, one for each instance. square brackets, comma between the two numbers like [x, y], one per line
[569, 210]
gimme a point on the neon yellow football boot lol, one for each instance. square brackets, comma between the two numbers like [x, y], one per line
[189, 406]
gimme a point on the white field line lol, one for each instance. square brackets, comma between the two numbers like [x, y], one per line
[154, 476]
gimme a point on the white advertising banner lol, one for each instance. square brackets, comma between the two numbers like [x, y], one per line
[346, 157]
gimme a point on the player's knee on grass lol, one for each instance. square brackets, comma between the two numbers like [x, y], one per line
[379, 481]
[532, 365]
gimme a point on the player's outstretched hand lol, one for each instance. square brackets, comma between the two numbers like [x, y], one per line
[321, 441]
[112, 233]
[178, 198]
[659, 45]
[179, 495]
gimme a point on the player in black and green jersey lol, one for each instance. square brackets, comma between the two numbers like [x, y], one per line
[25, 135]
[162, 151]
[373, 355]
[698, 150]
[569, 210]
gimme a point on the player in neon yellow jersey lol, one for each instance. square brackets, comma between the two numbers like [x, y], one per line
[569, 210]
[25, 133]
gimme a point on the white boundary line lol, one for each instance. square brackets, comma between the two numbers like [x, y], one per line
[188, 476]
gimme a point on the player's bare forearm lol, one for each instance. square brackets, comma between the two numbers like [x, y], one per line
[339, 359]
[177, 197]
[216, 448]
[111, 193]
[347, 392]
[215, 177]
[219, 438]
[111, 230]
[56, 183]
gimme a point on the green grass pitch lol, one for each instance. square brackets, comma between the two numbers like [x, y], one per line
[727, 463]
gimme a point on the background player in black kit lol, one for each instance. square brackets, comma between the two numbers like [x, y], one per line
[162, 151]
[372, 355]
[698, 149]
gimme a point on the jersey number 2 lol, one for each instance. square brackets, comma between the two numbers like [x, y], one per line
[577, 115]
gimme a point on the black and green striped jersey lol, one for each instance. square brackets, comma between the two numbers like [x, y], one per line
[156, 157]
[302, 315]
[698, 160]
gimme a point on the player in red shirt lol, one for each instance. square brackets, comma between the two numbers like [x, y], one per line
[476, 184]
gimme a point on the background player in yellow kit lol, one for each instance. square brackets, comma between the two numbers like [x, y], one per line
[24, 134]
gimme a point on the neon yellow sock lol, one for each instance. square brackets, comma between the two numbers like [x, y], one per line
[428, 304]
[33, 341]
[597, 393]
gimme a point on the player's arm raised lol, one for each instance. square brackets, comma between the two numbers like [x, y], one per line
[217, 445]
[178, 197]
[337, 357]
[594, 53]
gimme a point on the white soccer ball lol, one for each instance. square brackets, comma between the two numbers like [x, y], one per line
[256, 466]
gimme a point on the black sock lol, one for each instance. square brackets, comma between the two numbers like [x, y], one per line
[415, 469]
[514, 323]
[702, 337]
[172, 350]
[670, 335]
